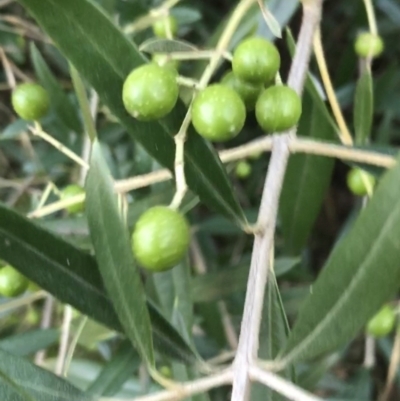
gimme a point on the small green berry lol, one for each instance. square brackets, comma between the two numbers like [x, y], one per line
[12, 282]
[160, 238]
[30, 101]
[382, 323]
[256, 60]
[69, 192]
[218, 113]
[150, 92]
[166, 27]
[360, 182]
[247, 91]
[278, 108]
[369, 45]
[243, 169]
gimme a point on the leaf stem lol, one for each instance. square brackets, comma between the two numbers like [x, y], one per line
[344, 133]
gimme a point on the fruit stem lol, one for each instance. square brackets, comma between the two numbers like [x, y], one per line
[344, 133]
[180, 137]
[38, 131]
[369, 8]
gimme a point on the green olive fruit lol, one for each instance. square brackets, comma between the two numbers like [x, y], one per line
[256, 60]
[218, 113]
[247, 91]
[150, 92]
[12, 282]
[278, 108]
[360, 182]
[71, 191]
[160, 238]
[30, 101]
[369, 45]
[243, 169]
[382, 323]
[165, 27]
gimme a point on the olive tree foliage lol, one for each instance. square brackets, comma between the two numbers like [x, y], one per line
[242, 314]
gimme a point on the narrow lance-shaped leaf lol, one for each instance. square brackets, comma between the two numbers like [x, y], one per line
[104, 58]
[306, 181]
[73, 277]
[116, 372]
[363, 265]
[363, 107]
[59, 100]
[34, 383]
[114, 255]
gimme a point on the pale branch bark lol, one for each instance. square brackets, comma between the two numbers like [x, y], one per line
[248, 340]
[263, 244]
[187, 389]
[311, 19]
[296, 145]
[284, 387]
[45, 323]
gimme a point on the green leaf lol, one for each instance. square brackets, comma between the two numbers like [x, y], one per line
[116, 372]
[37, 383]
[363, 265]
[114, 255]
[363, 107]
[104, 58]
[59, 100]
[32, 341]
[273, 336]
[306, 181]
[73, 277]
[156, 45]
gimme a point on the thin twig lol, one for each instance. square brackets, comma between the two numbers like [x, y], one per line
[369, 352]
[284, 387]
[38, 131]
[11, 81]
[394, 364]
[296, 145]
[369, 8]
[63, 347]
[186, 389]
[45, 323]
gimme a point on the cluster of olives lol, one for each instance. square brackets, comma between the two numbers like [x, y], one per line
[218, 112]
